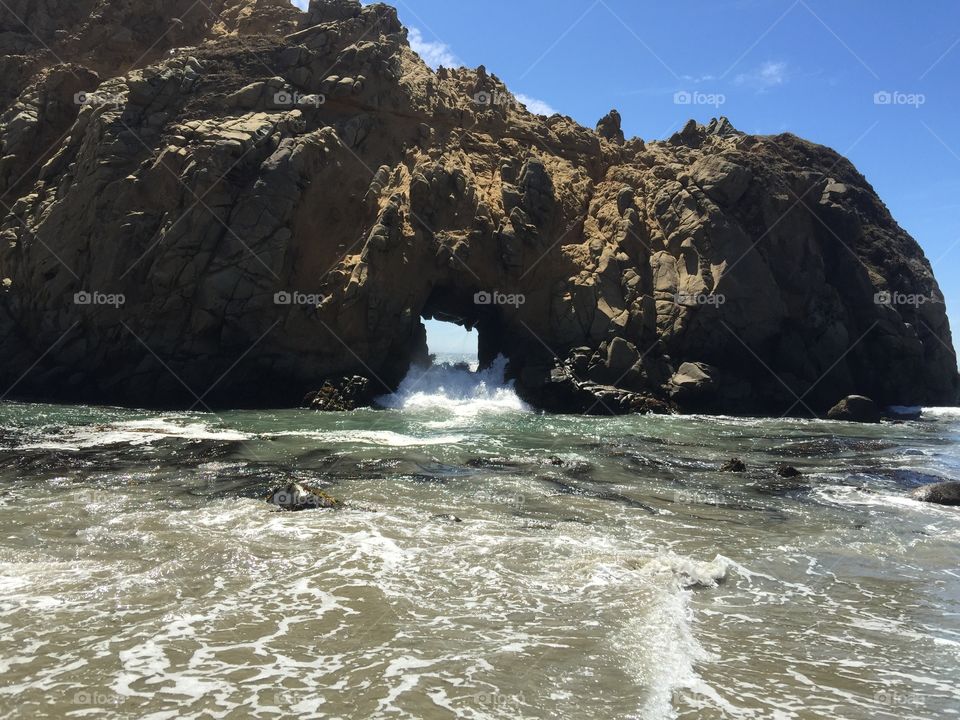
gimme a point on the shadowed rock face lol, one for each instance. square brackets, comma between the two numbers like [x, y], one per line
[278, 198]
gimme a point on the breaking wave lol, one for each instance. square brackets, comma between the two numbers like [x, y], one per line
[456, 389]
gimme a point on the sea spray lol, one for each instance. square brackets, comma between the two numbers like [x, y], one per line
[456, 389]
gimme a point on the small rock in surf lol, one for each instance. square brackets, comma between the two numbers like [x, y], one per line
[787, 471]
[945, 493]
[734, 465]
[296, 497]
[855, 408]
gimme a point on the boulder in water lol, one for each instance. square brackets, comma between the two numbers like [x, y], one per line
[734, 465]
[341, 394]
[944, 493]
[296, 497]
[788, 471]
[855, 408]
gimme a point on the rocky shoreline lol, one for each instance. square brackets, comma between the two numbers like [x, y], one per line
[266, 202]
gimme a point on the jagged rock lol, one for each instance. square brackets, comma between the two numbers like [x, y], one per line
[342, 394]
[204, 188]
[721, 126]
[622, 355]
[326, 11]
[108, 38]
[855, 408]
[693, 381]
[537, 193]
[692, 135]
[296, 498]
[563, 392]
[734, 465]
[722, 181]
[945, 493]
[609, 127]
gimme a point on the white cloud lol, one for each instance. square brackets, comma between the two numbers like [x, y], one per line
[434, 54]
[302, 4]
[770, 74]
[537, 107]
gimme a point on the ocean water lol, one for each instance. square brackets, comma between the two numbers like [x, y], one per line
[491, 562]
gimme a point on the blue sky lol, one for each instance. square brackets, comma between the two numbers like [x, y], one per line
[813, 67]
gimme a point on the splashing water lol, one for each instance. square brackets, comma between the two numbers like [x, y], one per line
[457, 390]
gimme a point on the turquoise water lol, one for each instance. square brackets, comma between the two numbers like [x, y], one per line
[491, 562]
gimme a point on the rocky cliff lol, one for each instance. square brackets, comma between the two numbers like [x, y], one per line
[232, 202]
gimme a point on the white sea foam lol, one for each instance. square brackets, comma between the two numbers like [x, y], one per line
[385, 438]
[942, 413]
[690, 572]
[134, 432]
[457, 391]
[855, 496]
[659, 645]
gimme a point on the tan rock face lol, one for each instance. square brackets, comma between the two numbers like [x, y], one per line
[280, 199]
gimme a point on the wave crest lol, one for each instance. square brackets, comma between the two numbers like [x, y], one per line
[457, 389]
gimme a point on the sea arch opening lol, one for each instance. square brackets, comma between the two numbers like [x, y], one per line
[448, 342]
[462, 321]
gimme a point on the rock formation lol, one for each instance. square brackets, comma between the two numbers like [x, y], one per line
[233, 202]
[295, 497]
[943, 493]
[855, 408]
